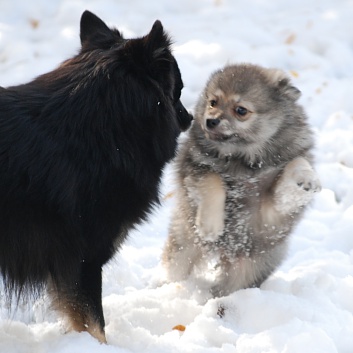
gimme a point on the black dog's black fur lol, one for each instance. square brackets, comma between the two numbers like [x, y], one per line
[82, 150]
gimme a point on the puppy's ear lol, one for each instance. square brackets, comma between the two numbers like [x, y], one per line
[283, 84]
[288, 89]
[94, 33]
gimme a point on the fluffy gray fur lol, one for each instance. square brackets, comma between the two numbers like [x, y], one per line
[243, 181]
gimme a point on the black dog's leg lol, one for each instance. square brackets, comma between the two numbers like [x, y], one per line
[81, 301]
[91, 289]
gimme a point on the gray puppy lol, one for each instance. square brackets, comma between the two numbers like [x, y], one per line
[245, 177]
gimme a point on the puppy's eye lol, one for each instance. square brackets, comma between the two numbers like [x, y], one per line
[241, 111]
[213, 103]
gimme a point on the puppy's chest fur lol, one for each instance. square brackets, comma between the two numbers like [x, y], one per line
[247, 189]
[245, 233]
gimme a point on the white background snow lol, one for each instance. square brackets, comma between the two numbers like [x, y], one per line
[304, 307]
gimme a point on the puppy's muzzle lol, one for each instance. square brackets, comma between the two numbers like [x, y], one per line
[212, 123]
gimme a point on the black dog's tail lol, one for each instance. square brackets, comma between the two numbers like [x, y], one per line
[35, 247]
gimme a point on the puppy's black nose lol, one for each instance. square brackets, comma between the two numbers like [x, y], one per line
[212, 123]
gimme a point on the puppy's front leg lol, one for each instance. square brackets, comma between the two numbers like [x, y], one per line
[210, 213]
[296, 186]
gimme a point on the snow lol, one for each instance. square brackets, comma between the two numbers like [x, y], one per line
[307, 304]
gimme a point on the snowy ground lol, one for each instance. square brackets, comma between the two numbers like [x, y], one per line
[307, 305]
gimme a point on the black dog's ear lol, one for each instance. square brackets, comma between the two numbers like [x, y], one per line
[157, 41]
[152, 54]
[157, 51]
[94, 33]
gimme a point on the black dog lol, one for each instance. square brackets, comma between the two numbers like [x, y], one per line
[82, 150]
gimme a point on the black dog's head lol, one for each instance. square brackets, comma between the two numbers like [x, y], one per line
[151, 55]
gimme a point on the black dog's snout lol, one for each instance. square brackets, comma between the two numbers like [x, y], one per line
[211, 123]
[184, 118]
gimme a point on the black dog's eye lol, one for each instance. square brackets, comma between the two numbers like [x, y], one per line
[241, 111]
[213, 103]
[177, 92]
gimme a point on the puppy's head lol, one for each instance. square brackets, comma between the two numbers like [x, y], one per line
[243, 106]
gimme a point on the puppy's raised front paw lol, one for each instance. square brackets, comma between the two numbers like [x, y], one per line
[307, 180]
[210, 226]
[296, 186]
[210, 213]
